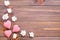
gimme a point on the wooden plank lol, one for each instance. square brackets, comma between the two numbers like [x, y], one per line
[38, 8]
[3, 38]
[30, 15]
[37, 28]
[47, 38]
[1, 29]
[51, 29]
[32, 2]
[41, 38]
[33, 8]
[35, 18]
[35, 38]
[38, 16]
[31, 20]
[39, 24]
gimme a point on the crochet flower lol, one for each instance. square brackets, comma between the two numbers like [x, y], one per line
[31, 34]
[6, 3]
[23, 32]
[14, 18]
[5, 16]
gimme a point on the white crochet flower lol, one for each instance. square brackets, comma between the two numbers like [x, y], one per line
[5, 17]
[23, 32]
[14, 36]
[9, 10]
[6, 3]
[31, 34]
[14, 18]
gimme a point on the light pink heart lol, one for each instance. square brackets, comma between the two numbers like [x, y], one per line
[7, 24]
[16, 28]
[8, 33]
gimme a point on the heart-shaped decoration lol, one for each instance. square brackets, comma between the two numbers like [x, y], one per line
[8, 33]
[7, 24]
[16, 28]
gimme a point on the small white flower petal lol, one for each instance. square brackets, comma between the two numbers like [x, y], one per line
[31, 34]
[5, 17]
[9, 10]
[14, 18]
[6, 3]
[14, 36]
[23, 32]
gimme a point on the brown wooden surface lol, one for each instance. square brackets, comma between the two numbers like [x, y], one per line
[32, 17]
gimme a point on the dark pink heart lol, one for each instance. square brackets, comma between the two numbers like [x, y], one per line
[7, 24]
[8, 33]
[16, 28]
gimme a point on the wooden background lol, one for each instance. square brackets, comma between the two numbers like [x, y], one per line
[34, 17]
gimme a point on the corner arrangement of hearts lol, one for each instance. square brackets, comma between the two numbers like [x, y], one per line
[8, 18]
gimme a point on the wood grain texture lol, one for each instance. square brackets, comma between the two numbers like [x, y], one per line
[32, 2]
[32, 17]
[3, 38]
[42, 38]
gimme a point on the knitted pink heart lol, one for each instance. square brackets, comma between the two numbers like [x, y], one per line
[8, 33]
[7, 24]
[16, 28]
